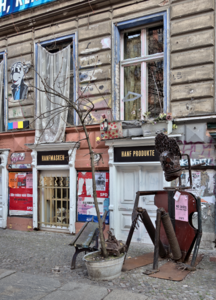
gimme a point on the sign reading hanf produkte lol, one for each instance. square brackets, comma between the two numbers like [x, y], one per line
[52, 157]
[8, 7]
[135, 154]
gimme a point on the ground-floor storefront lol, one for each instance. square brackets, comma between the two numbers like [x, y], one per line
[49, 186]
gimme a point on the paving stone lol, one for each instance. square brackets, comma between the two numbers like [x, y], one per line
[5, 273]
[40, 252]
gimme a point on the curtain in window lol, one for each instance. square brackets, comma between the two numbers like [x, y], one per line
[1, 94]
[52, 111]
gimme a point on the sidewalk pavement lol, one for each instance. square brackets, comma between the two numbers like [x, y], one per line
[41, 261]
[21, 286]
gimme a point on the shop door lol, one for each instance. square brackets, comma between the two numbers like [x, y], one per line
[131, 180]
[54, 200]
[1, 206]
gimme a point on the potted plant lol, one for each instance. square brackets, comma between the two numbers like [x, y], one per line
[85, 117]
[101, 268]
[151, 126]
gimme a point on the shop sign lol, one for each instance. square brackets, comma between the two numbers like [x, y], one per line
[8, 7]
[136, 154]
[52, 157]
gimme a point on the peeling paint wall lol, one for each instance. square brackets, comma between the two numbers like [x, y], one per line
[191, 52]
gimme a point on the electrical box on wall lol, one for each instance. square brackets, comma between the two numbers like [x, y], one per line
[195, 132]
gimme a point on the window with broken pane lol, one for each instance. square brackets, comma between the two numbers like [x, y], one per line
[142, 53]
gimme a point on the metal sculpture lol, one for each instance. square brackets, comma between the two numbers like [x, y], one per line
[172, 237]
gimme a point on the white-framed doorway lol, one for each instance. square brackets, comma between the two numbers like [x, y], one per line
[55, 170]
[125, 180]
[3, 187]
[130, 180]
[54, 200]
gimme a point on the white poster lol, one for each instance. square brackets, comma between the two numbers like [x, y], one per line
[100, 181]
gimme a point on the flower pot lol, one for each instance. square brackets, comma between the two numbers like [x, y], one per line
[104, 270]
[161, 126]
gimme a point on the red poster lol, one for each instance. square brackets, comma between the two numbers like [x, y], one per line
[85, 184]
[21, 201]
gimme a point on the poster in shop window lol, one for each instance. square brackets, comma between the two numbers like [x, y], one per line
[20, 194]
[85, 204]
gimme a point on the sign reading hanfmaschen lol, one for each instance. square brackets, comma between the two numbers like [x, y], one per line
[8, 7]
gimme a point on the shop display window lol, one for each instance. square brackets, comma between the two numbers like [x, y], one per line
[85, 203]
[20, 193]
[54, 201]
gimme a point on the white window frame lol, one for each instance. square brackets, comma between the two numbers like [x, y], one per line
[143, 60]
[4, 55]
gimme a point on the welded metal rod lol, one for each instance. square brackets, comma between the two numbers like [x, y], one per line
[151, 230]
[157, 240]
[199, 234]
[171, 236]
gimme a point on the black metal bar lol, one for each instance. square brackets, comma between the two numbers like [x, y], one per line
[151, 230]
[199, 234]
[136, 203]
[130, 234]
[73, 262]
[157, 240]
[171, 207]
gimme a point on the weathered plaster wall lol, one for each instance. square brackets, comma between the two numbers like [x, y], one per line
[191, 50]
[192, 57]
[198, 143]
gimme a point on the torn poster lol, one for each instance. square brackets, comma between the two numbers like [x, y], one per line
[85, 204]
[89, 191]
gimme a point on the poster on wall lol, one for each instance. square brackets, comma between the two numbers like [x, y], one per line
[85, 205]
[20, 194]
[203, 184]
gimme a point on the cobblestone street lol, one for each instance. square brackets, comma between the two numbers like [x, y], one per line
[40, 252]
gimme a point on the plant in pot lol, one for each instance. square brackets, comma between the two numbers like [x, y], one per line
[63, 104]
[151, 126]
[106, 268]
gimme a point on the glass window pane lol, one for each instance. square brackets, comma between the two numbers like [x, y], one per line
[155, 40]
[132, 83]
[132, 44]
[155, 88]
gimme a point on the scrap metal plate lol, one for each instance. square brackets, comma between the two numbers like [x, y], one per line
[170, 271]
[139, 261]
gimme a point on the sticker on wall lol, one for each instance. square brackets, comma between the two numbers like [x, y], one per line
[17, 157]
[181, 209]
[29, 181]
[19, 88]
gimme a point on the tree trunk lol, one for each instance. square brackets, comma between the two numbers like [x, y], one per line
[100, 225]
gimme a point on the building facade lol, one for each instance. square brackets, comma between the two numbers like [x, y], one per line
[134, 61]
